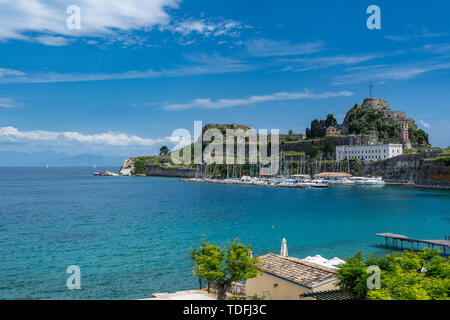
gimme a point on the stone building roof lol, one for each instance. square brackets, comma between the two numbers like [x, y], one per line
[298, 271]
[335, 294]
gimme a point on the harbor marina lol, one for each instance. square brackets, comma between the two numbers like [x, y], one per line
[322, 180]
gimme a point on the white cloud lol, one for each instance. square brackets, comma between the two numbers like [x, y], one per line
[206, 27]
[4, 72]
[418, 33]
[425, 124]
[389, 72]
[199, 65]
[45, 21]
[441, 48]
[9, 103]
[302, 64]
[19, 19]
[14, 135]
[396, 38]
[267, 48]
[207, 103]
[52, 41]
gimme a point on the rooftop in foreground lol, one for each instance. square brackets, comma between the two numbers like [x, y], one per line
[298, 271]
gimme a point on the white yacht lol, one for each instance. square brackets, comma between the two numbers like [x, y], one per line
[368, 180]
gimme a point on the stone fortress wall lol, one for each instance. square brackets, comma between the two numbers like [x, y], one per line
[376, 103]
[394, 113]
[390, 116]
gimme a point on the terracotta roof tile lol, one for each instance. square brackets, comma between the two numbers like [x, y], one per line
[304, 273]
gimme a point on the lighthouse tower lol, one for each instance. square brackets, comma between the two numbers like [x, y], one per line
[405, 133]
[405, 136]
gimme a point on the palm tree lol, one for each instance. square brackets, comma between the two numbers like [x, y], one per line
[163, 151]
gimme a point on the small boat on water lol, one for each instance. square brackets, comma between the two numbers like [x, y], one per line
[307, 182]
[368, 181]
[318, 183]
[322, 180]
[280, 182]
[345, 179]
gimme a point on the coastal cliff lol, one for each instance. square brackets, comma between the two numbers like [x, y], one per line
[434, 174]
[127, 168]
[400, 169]
[427, 169]
[155, 171]
[156, 166]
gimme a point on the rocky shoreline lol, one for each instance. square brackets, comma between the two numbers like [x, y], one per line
[152, 170]
[106, 174]
[417, 170]
[414, 170]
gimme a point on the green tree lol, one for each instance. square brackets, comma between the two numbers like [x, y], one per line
[328, 145]
[313, 152]
[422, 137]
[316, 130]
[318, 127]
[330, 121]
[352, 276]
[221, 266]
[163, 151]
[139, 167]
[407, 275]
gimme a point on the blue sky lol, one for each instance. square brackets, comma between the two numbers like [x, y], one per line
[136, 70]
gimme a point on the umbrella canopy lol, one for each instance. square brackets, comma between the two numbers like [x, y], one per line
[284, 249]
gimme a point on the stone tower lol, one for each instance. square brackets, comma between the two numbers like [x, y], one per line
[376, 103]
[405, 133]
[405, 136]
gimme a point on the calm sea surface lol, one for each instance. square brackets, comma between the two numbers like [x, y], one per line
[131, 235]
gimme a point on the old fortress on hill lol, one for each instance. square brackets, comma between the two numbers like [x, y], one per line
[366, 146]
[376, 151]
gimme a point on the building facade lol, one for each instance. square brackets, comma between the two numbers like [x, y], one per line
[369, 152]
[331, 131]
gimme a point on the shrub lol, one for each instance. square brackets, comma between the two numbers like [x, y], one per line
[407, 275]
[139, 167]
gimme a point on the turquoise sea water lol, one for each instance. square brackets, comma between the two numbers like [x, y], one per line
[131, 235]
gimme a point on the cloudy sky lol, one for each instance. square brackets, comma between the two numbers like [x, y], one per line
[136, 70]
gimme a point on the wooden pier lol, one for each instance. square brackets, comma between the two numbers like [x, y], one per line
[401, 241]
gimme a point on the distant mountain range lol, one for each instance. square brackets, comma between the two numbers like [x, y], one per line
[53, 159]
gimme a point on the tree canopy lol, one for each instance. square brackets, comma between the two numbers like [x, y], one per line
[407, 275]
[163, 151]
[318, 127]
[222, 266]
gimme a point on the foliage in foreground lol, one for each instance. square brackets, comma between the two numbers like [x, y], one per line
[221, 266]
[407, 275]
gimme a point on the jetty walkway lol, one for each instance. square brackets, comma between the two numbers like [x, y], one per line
[399, 241]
